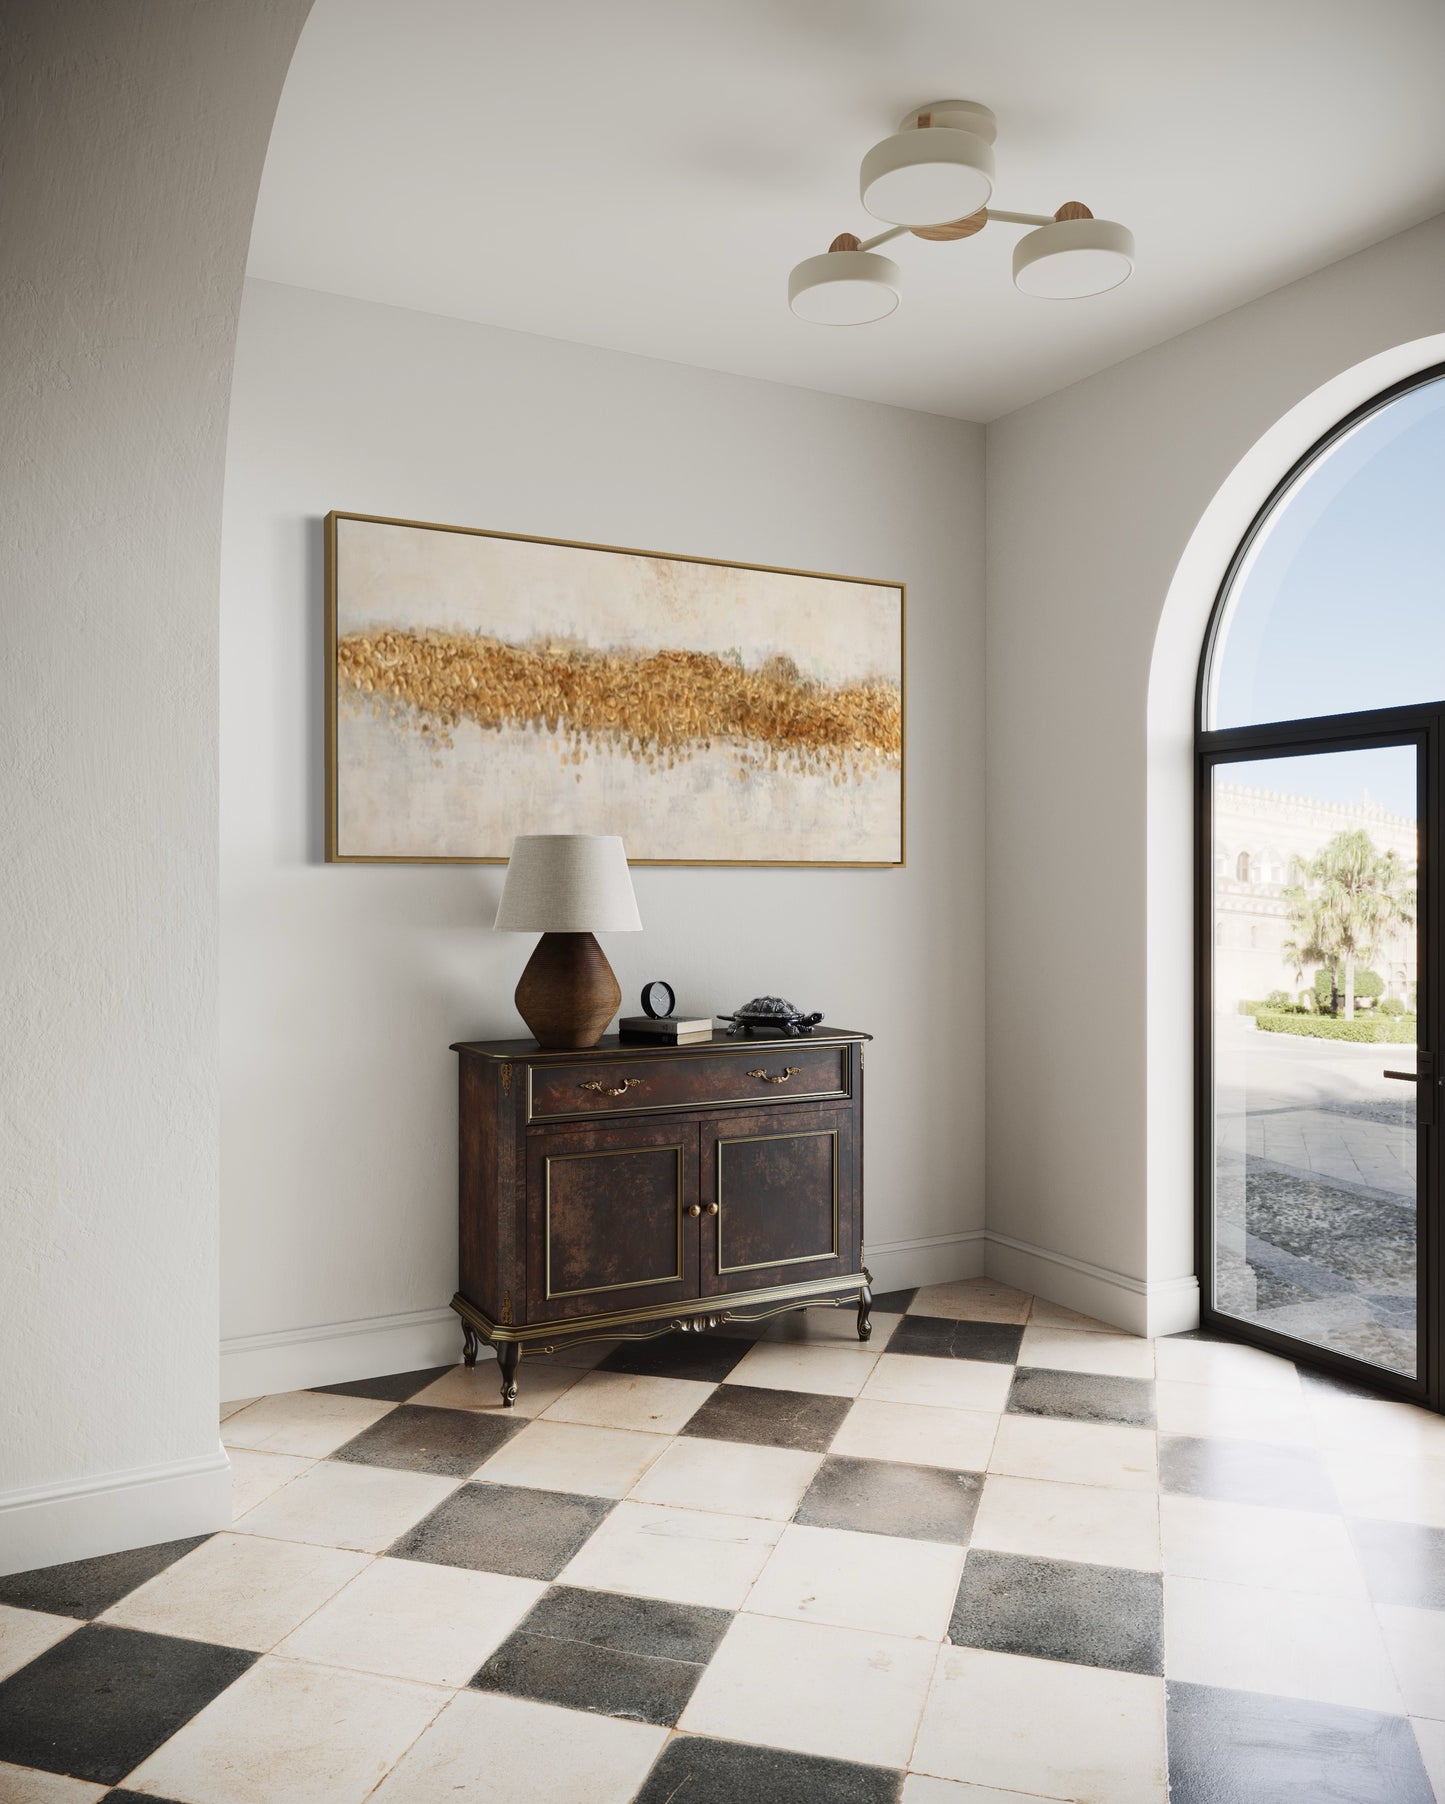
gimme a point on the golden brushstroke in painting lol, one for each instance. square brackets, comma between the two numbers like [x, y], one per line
[708, 712]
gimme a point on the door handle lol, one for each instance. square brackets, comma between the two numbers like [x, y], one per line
[1423, 1078]
[1405, 1077]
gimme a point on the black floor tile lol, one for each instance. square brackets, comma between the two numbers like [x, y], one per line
[134, 1797]
[1242, 1747]
[1060, 1610]
[414, 1438]
[98, 1703]
[703, 1771]
[396, 1387]
[893, 1302]
[1327, 1382]
[1082, 1396]
[705, 1357]
[1404, 1562]
[938, 1337]
[86, 1587]
[885, 1497]
[766, 1418]
[631, 1657]
[1245, 1472]
[504, 1528]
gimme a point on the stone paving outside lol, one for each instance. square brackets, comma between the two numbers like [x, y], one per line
[1315, 1190]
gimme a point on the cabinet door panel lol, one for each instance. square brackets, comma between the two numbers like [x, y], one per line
[780, 1193]
[609, 1222]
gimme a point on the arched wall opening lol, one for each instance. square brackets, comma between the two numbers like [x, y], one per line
[1170, 809]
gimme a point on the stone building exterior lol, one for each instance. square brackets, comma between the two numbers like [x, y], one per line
[1258, 835]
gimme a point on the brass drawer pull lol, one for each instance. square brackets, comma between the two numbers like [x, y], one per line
[711, 1209]
[694, 1209]
[768, 1078]
[628, 1083]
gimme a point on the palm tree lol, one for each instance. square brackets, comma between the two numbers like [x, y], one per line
[1350, 899]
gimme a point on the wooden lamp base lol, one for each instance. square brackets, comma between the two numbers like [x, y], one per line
[568, 993]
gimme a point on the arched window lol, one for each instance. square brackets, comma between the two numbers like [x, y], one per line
[1322, 718]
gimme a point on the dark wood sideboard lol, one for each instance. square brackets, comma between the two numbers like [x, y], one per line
[636, 1189]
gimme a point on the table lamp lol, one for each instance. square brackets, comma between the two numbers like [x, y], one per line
[568, 886]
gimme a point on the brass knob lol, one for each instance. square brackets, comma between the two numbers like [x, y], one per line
[694, 1208]
[711, 1209]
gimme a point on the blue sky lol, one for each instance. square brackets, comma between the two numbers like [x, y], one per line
[1343, 603]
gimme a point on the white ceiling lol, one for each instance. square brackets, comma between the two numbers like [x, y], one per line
[642, 174]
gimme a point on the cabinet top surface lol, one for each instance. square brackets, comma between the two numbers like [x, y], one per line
[611, 1046]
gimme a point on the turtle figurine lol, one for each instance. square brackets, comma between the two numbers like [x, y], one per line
[771, 1014]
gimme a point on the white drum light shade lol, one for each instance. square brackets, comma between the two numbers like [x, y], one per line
[568, 883]
[845, 288]
[1072, 258]
[932, 173]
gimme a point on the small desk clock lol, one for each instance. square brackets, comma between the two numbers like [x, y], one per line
[658, 1000]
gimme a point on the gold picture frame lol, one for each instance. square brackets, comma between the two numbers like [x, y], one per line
[445, 656]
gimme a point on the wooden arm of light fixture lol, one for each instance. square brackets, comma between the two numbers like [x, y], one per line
[962, 228]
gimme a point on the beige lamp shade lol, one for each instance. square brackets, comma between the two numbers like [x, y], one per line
[568, 883]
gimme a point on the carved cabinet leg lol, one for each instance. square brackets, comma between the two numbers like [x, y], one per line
[865, 1312]
[470, 1343]
[509, 1356]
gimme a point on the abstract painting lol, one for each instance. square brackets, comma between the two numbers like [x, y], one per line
[485, 684]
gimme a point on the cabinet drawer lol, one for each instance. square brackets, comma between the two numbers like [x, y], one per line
[771, 1071]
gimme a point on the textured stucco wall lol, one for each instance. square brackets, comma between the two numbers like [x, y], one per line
[132, 137]
[342, 985]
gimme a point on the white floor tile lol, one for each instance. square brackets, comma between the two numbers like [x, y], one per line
[972, 1300]
[688, 1556]
[848, 1693]
[27, 1785]
[918, 1434]
[25, 1635]
[1086, 1453]
[1394, 1486]
[1044, 1314]
[413, 1620]
[1293, 1644]
[980, 1384]
[1233, 1412]
[619, 1400]
[568, 1456]
[486, 1749]
[290, 1733]
[1367, 1428]
[857, 1581]
[1073, 1350]
[337, 1504]
[1431, 1737]
[1251, 1544]
[239, 1403]
[479, 1388]
[1416, 1643]
[799, 1366]
[238, 1590]
[254, 1476]
[730, 1477]
[1044, 1728]
[1220, 1362]
[1055, 1521]
[919, 1789]
[310, 1424]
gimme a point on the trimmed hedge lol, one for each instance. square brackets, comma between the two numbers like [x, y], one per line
[1369, 1030]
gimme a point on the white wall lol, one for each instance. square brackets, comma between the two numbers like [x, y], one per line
[1093, 497]
[342, 986]
[132, 139]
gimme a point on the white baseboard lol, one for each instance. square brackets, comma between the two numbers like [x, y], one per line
[50, 1524]
[254, 1365]
[1168, 1306]
[936, 1259]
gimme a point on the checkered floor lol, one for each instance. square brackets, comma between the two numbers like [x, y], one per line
[1001, 1553]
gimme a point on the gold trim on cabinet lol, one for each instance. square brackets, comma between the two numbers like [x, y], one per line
[596, 1290]
[768, 1265]
[482, 532]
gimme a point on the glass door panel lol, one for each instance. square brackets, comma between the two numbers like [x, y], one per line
[1315, 976]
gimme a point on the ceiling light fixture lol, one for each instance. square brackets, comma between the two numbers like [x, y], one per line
[934, 178]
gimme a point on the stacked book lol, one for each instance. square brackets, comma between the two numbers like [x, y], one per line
[669, 1030]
